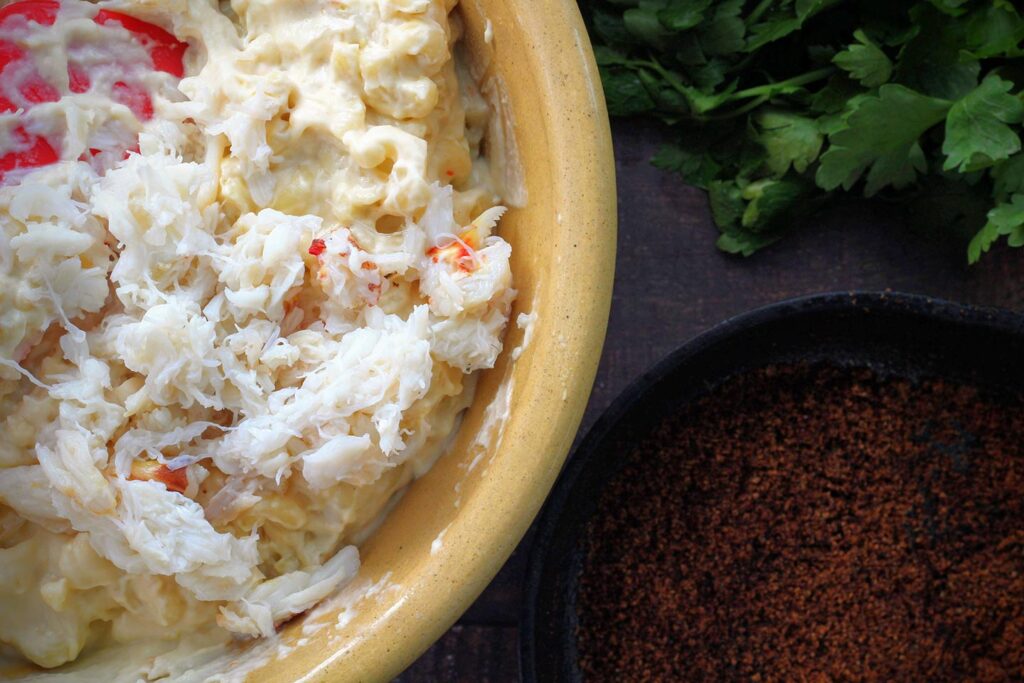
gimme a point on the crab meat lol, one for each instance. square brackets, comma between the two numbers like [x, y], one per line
[460, 253]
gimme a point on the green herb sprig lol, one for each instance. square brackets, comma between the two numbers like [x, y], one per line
[776, 106]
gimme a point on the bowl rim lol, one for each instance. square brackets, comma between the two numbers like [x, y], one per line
[932, 309]
[570, 72]
[552, 36]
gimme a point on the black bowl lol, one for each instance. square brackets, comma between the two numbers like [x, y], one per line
[893, 334]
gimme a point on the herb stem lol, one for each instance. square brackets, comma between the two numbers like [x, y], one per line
[795, 82]
[749, 106]
[758, 11]
[669, 76]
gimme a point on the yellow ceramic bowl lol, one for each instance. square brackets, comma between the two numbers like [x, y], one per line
[455, 527]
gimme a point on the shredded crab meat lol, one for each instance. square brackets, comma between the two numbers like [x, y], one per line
[243, 296]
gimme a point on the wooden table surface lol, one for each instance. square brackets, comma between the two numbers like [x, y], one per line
[671, 284]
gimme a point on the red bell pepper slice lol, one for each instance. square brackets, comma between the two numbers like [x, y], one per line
[166, 51]
[135, 97]
[78, 79]
[33, 88]
[36, 90]
[39, 153]
[9, 52]
[317, 247]
[40, 11]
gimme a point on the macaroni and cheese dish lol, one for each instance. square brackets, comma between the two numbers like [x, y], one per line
[248, 270]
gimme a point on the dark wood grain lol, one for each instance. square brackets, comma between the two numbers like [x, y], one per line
[671, 284]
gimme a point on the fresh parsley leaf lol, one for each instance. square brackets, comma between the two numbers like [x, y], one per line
[727, 205]
[953, 8]
[680, 15]
[624, 92]
[728, 208]
[770, 201]
[821, 54]
[708, 76]
[643, 24]
[932, 61]
[745, 243]
[724, 32]
[782, 19]
[754, 215]
[606, 56]
[977, 134]
[1008, 178]
[833, 97]
[673, 96]
[889, 25]
[865, 61]
[994, 31]
[673, 101]
[880, 136]
[777, 104]
[697, 168]
[609, 28]
[789, 139]
[1005, 220]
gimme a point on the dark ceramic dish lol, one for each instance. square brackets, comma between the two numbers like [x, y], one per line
[893, 334]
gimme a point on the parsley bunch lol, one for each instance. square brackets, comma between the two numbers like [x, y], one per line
[777, 105]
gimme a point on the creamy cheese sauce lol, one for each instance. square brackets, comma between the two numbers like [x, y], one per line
[242, 302]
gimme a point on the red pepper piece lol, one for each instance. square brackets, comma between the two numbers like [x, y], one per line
[36, 90]
[40, 153]
[40, 11]
[174, 480]
[33, 88]
[78, 79]
[317, 247]
[9, 52]
[135, 97]
[166, 51]
[86, 156]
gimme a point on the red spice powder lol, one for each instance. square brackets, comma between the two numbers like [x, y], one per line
[813, 524]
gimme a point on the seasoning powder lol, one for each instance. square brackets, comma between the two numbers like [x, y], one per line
[813, 524]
